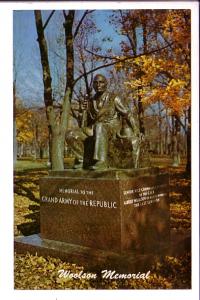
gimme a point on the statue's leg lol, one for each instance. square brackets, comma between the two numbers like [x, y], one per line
[101, 146]
[135, 152]
[75, 139]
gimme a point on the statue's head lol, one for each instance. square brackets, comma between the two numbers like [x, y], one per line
[100, 84]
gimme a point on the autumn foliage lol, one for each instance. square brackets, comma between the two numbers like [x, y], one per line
[31, 128]
[160, 68]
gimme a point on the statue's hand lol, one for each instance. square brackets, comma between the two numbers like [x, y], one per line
[84, 104]
[88, 131]
[142, 137]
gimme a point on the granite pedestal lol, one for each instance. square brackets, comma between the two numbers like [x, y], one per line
[117, 217]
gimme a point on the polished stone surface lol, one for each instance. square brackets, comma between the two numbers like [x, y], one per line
[94, 259]
[114, 210]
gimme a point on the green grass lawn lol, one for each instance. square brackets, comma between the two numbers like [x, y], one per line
[28, 164]
[25, 164]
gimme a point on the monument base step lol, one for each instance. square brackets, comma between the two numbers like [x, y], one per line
[95, 259]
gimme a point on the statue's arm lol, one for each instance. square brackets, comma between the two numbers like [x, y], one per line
[84, 111]
[121, 107]
[126, 113]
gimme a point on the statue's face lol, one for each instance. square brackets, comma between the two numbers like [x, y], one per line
[100, 84]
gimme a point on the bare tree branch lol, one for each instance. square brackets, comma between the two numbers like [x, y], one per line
[180, 122]
[132, 43]
[58, 55]
[44, 59]
[101, 56]
[81, 21]
[117, 61]
[48, 19]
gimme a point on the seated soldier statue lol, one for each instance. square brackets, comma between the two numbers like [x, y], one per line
[102, 120]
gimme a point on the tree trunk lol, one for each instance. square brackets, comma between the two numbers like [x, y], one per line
[57, 128]
[167, 134]
[69, 42]
[48, 98]
[49, 145]
[160, 129]
[57, 151]
[14, 142]
[140, 105]
[21, 150]
[41, 152]
[140, 114]
[35, 143]
[166, 150]
[175, 142]
[14, 125]
[188, 165]
[58, 132]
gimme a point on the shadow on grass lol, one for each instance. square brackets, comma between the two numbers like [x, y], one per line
[33, 226]
[27, 182]
[29, 228]
[23, 191]
[27, 185]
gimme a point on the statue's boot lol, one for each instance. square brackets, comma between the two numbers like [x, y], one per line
[100, 165]
[78, 164]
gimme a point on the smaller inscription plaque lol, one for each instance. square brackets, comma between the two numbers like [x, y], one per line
[145, 195]
[146, 213]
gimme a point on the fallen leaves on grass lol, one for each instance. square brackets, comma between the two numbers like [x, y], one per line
[26, 197]
[180, 216]
[36, 272]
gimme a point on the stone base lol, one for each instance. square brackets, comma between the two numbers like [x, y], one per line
[91, 259]
[118, 210]
[97, 260]
[113, 220]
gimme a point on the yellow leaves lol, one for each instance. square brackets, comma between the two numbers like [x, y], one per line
[173, 92]
[138, 61]
[41, 260]
[25, 126]
[31, 126]
[162, 75]
[176, 27]
[176, 83]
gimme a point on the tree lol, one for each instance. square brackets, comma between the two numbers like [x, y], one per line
[58, 116]
[17, 58]
[162, 72]
[31, 129]
[85, 29]
[57, 121]
[24, 126]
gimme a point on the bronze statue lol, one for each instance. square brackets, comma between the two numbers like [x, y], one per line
[104, 117]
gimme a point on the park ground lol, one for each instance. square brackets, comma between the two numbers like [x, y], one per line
[36, 272]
